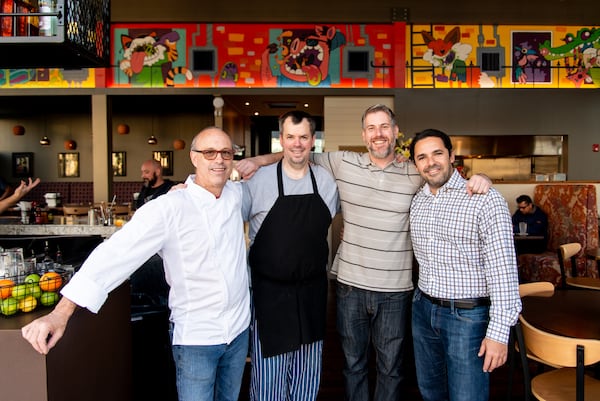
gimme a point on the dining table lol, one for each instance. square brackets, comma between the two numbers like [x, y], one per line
[526, 243]
[569, 312]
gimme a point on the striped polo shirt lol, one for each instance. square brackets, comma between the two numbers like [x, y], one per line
[375, 252]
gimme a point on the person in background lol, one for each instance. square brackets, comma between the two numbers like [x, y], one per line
[199, 233]
[374, 261]
[149, 280]
[290, 206]
[154, 183]
[5, 189]
[537, 224]
[22, 190]
[468, 290]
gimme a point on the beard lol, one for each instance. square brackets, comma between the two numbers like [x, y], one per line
[380, 154]
[151, 182]
[440, 179]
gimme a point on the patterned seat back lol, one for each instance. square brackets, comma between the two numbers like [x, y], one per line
[572, 217]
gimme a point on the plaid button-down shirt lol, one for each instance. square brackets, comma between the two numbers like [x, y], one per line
[465, 249]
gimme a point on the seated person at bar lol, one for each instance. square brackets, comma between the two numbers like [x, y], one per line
[19, 192]
[537, 225]
[154, 183]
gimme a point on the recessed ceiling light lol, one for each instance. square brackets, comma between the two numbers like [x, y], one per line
[256, 113]
[247, 104]
[305, 105]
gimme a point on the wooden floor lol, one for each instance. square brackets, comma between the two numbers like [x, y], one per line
[332, 386]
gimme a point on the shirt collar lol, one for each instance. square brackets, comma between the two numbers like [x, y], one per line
[365, 160]
[201, 191]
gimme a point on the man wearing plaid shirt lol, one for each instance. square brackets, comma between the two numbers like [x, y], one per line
[467, 296]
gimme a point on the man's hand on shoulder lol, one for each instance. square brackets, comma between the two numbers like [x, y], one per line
[247, 167]
[178, 186]
[479, 184]
[400, 158]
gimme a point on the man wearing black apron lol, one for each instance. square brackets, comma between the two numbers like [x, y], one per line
[290, 206]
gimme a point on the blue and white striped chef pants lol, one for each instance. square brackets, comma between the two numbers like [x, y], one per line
[292, 376]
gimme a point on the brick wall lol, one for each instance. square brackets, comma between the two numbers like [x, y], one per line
[82, 192]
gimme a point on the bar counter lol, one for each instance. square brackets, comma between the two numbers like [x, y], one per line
[56, 230]
[92, 362]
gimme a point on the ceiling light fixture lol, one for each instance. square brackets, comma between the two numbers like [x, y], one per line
[178, 144]
[152, 140]
[18, 130]
[45, 141]
[123, 129]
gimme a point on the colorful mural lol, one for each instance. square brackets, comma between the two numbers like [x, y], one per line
[47, 78]
[254, 55]
[335, 56]
[491, 56]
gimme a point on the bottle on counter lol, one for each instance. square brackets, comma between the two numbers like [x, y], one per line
[38, 215]
[92, 215]
[32, 213]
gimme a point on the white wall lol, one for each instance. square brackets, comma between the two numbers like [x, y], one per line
[342, 117]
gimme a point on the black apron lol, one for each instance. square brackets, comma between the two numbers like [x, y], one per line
[288, 261]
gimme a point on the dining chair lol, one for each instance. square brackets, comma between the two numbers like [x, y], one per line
[516, 343]
[568, 382]
[75, 210]
[538, 288]
[569, 252]
[72, 213]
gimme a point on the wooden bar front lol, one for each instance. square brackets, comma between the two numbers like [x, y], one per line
[92, 362]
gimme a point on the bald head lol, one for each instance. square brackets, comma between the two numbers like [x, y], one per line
[213, 174]
[152, 173]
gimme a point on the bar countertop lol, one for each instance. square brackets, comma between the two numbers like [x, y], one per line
[57, 229]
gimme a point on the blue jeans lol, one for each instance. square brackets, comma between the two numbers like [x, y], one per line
[381, 318]
[211, 372]
[446, 342]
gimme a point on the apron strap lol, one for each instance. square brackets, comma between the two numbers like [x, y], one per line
[280, 179]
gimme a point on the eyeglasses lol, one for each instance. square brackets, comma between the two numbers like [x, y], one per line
[211, 154]
[523, 207]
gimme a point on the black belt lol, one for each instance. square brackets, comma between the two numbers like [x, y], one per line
[465, 303]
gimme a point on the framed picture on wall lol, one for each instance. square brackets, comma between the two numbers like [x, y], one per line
[165, 158]
[119, 164]
[68, 165]
[22, 165]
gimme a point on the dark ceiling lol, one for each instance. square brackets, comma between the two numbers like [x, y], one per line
[273, 105]
[508, 12]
